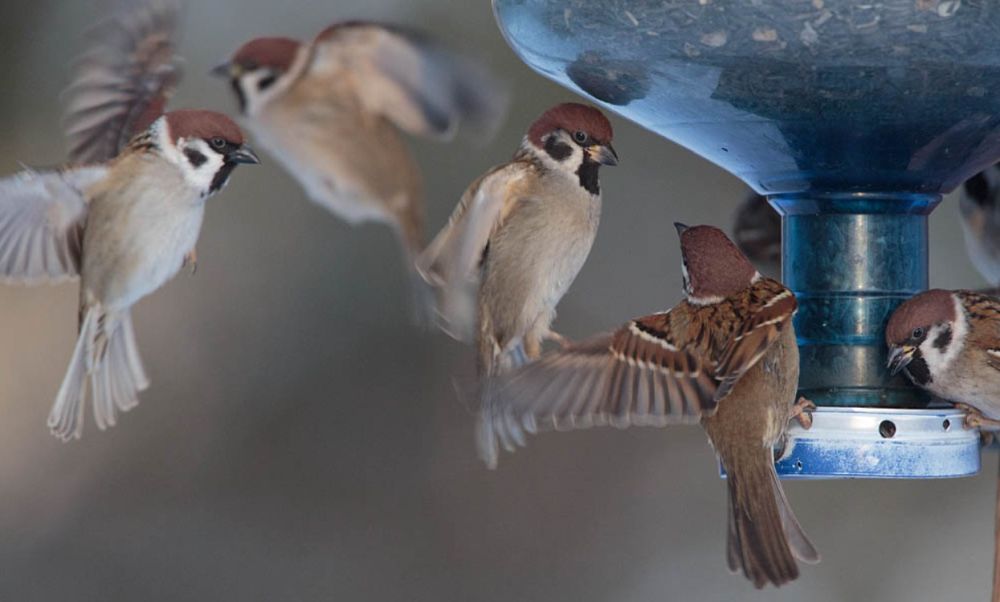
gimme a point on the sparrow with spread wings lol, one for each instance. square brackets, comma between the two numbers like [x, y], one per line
[725, 356]
[125, 214]
[333, 112]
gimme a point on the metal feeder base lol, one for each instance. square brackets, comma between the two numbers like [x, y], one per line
[879, 443]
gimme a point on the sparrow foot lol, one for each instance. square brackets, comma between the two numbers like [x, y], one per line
[557, 338]
[802, 412]
[191, 261]
[975, 419]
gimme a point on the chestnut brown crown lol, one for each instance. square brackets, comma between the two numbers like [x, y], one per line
[919, 313]
[203, 124]
[273, 53]
[572, 117]
[715, 265]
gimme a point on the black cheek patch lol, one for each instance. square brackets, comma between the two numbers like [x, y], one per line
[943, 339]
[195, 158]
[918, 371]
[559, 151]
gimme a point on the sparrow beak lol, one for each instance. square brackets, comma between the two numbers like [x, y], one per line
[243, 154]
[226, 70]
[899, 357]
[603, 153]
[680, 228]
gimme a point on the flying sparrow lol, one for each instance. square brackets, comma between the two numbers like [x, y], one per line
[333, 110]
[757, 232]
[123, 225]
[948, 342]
[726, 355]
[979, 207]
[519, 236]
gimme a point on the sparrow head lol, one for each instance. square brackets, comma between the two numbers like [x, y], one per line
[256, 70]
[925, 334]
[712, 265]
[575, 139]
[206, 146]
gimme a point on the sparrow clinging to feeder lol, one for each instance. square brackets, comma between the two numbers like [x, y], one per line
[519, 236]
[725, 356]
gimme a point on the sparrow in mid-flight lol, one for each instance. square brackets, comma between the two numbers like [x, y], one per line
[333, 111]
[519, 236]
[124, 216]
[725, 356]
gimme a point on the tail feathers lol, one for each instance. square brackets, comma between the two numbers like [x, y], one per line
[105, 351]
[764, 537]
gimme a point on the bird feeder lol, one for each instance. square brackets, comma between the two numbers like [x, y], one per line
[853, 118]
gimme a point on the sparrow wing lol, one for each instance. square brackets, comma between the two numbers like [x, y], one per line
[419, 86]
[758, 323]
[123, 81]
[667, 368]
[41, 219]
[451, 263]
[653, 371]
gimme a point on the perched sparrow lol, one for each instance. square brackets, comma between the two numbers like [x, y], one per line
[726, 356]
[125, 225]
[331, 111]
[757, 232]
[979, 207]
[948, 342]
[518, 237]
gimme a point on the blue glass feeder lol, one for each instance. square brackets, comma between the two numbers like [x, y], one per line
[853, 118]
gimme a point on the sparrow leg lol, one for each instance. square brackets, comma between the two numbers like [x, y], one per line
[557, 338]
[802, 412]
[191, 261]
[975, 419]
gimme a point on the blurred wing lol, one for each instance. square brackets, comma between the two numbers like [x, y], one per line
[123, 81]
[641, 375]
[420, 87]
[770, 309]
[451, 263]
[41, 219]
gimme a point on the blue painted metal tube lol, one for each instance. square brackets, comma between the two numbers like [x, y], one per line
[851, 258]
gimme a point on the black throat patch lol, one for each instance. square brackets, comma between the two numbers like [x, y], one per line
[587, 173]
[917, 369]
[221, 177]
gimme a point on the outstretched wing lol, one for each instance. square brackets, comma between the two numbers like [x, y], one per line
[667, 368]
[419, 86]
[123, 81]
[451, 263]
[41, 221]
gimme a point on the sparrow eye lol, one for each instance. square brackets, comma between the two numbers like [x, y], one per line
[218, 143]
[918, 333]
[580, 136]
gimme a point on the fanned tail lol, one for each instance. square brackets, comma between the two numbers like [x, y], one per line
[764, 536]
[105, 351]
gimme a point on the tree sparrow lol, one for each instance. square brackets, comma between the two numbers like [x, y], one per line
[726, 355]
[332, 110]
[518, 237]
[948, 342]
[979, 207]
[124, 225]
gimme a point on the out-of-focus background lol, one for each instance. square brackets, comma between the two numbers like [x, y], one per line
[301, 441]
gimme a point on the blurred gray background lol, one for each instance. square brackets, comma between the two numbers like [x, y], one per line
[301, 441]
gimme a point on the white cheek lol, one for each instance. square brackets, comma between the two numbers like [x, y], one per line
[939, 360]
[200, 177]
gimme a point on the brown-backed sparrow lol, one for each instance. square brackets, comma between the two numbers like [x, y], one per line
[332, 112]
[948, 342]
[979, 208]
[123, 225]
[757, 232]
[726, 355]
[519, 236]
